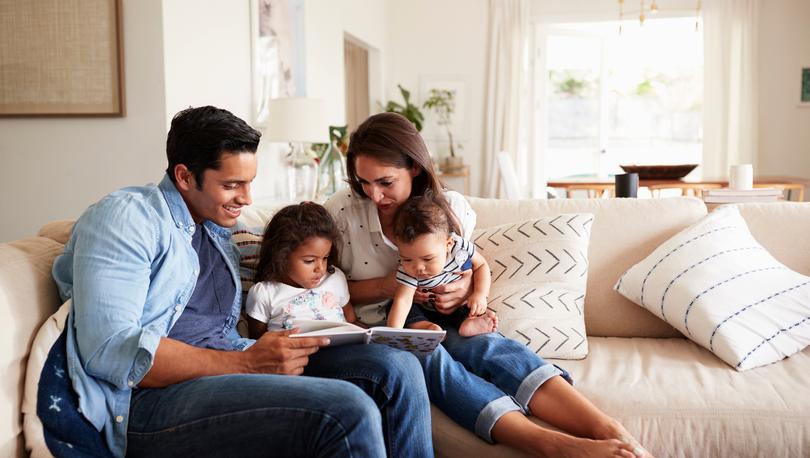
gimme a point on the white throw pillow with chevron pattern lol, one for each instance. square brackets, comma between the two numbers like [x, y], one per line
[539, 271]
[717, 285]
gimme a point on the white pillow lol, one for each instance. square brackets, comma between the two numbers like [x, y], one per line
[43, 342]
[717, 285]
[539, 271]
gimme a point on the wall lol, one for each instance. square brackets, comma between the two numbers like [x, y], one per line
[207, 55]
[784, 128]
[53, 168]
[443, 39]
[325, 23]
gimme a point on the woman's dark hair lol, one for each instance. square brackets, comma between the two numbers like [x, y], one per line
[198, 138]
[287, 230]
[393, 140]
[424, 215]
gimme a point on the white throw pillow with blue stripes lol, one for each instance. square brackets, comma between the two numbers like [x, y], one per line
[718, 286]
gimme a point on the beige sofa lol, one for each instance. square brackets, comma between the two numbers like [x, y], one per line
[676, 397]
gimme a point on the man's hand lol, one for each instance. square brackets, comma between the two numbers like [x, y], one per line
[447, 298]
[278, 353]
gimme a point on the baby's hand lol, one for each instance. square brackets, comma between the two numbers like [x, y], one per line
[477, 302]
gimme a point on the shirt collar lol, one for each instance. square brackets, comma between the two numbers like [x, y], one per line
[180, 213]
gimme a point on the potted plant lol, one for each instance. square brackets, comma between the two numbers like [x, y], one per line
[410, 111]
[443, 103]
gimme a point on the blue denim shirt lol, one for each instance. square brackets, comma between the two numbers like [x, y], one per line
[130, 269]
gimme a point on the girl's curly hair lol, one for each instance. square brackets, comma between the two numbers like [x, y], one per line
[287, 230]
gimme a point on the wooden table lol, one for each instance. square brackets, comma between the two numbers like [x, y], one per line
[596, 182]
[462, 173]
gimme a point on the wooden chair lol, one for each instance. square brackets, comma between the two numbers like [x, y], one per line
[593, 190]
[789, 190]
[687, 189]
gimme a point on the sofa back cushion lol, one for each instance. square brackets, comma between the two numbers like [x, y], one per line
[624, 232]
[28, 296]
[782, 228]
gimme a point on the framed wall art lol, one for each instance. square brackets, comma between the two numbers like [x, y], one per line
[804, 94]
[277, 28]
[61, 58]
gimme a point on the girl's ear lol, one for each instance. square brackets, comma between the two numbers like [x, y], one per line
[415, 170]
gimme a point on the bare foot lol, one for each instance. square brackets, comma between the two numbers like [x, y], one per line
[425, 325]
[615, 430]
[482, 324]
[577, 447]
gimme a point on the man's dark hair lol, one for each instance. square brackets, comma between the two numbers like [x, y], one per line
[200, 136]
[288, 229]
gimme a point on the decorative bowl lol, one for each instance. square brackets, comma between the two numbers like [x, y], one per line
[660, 172]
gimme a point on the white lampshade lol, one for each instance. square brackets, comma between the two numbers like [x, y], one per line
[297, 119]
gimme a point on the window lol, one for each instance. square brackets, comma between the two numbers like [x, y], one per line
[606, 99]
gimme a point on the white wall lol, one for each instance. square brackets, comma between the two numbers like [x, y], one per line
[784, 128]
[207, 55]
[184, 52]
[325, 23]
[53, 168]
[442, 39]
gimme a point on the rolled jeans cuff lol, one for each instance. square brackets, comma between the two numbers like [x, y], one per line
[491, 413]
[535, 380]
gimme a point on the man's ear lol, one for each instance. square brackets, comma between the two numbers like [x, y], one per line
[183, 177]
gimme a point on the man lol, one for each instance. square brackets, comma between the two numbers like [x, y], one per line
[152, 349]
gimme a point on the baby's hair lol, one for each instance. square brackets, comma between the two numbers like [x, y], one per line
[426, 214]
[287, 230]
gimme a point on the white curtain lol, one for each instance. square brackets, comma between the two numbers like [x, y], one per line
[508, 32]
[730, 85]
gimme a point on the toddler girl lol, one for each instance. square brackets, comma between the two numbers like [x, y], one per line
[296, 277]
[432, 253]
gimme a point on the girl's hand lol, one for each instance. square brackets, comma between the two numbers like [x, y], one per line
[447, 298]
[348, 313]
[477, 303]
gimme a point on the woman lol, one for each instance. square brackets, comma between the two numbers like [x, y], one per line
[388, 163]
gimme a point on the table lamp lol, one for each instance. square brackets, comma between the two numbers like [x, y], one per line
[298, 120]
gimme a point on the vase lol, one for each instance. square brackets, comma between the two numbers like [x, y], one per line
[331, 173]
[301, 175]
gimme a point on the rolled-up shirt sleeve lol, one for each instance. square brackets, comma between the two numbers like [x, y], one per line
[113, 256]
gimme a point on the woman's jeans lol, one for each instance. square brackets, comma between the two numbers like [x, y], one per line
[378, 405]
[476, 380]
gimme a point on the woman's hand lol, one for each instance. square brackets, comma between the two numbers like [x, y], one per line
[447, 298]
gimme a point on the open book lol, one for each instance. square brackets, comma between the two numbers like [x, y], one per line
[418, 341]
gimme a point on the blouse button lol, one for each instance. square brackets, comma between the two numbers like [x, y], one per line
[119, 419]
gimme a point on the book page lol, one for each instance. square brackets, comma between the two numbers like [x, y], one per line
[338, 332]
[420, 341]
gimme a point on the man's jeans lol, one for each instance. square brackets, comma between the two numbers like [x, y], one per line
[276, 415]
[477, 380]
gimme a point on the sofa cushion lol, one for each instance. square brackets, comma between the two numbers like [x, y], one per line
[624, 232]
[678, 399]
[539, 272]
[717, 285]
[27, 297]
[43, 342]
[57, 230]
